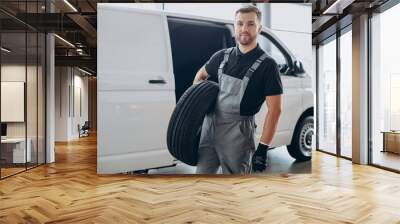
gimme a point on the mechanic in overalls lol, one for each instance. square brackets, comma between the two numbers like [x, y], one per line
[247, 77]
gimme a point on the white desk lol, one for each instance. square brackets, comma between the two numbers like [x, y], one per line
[18, 150]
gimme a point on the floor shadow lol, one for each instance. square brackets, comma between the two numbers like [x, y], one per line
[279, 162]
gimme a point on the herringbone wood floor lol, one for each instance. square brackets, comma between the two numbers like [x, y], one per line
[70, 191]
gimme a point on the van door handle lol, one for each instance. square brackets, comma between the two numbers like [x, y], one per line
[157, 81]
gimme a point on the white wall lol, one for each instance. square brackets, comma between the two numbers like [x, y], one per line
[69, 82]
[213, 10]
[16, 72]
[291, 23]
[79, 117]
[33, 126]
[61, 103]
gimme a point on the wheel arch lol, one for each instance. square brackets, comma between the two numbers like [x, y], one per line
[308, 112]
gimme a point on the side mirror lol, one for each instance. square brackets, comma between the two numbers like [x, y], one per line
[298, 67]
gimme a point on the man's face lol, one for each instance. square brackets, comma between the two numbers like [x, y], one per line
[247, 28]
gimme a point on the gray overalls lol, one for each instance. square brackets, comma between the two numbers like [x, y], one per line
[227, 138]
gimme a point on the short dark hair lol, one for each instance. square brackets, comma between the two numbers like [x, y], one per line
[249, 8]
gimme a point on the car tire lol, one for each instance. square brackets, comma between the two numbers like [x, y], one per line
[184, 128]
[301, 146]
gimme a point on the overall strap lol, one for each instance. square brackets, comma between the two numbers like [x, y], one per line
[226, 57]
[254, 67]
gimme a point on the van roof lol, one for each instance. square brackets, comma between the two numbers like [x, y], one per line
[182, 15]
[129, 7]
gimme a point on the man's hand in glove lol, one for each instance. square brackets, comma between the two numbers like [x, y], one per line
[259, 159]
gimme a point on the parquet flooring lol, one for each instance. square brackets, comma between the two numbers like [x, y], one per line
[70, 191]
[10, 171]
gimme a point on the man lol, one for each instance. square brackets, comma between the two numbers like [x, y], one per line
[247, 77]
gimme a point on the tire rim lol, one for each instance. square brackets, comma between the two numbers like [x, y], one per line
[306, 138]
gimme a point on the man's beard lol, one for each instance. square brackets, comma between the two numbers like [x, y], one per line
[245, 40]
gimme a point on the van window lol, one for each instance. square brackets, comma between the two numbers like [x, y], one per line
[273, 51]
[193, 43]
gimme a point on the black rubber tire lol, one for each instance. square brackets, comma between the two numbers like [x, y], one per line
[300, 147]
[184, 127]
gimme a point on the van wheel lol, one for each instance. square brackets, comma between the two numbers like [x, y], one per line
[184, 127]
[301, 146]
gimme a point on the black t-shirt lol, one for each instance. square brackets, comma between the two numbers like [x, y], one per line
[264, 82]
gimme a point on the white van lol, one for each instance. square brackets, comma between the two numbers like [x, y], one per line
[146, 59]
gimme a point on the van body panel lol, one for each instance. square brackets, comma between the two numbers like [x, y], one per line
[128, 58]
[135, 89]
[134, 121]
[292, 98]
[119, 163]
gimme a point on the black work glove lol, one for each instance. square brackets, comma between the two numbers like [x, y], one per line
[259, 159]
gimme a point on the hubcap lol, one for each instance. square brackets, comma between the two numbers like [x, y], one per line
[306, 138]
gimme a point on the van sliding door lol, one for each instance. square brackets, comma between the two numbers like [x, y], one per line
[135, 89]
[193, 42]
